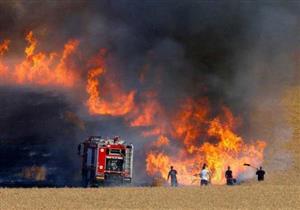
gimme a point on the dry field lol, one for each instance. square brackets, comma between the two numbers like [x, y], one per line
[254, 196]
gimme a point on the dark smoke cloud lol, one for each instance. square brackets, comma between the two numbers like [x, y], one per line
[264, 73]
[235, 53]
[36, 132]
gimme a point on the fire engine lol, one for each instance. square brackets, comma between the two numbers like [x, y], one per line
[106, 161]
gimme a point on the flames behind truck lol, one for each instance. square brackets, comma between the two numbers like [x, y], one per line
[106, 161]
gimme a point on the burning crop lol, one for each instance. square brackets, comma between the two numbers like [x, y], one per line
[186, 136]
[118, 102]
[198, 139]
[39, 68]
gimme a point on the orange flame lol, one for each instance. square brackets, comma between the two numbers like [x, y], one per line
[3, 49]
[149, 115]
[231, 150]
[152, 132]
[157, 161]
[161, 141]
[148, 111]
[185, 138]
[41, 68]
[4, 46]
[58, 69]
[120, 103]
[195, 131]
[189, 123]
[32, 44]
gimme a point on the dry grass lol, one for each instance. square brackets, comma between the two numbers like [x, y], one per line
[293, 114]
[254, 196]
[292, 104]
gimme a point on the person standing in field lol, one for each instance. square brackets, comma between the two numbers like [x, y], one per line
[173, 175]
[228, 176]
[204, 176]
[260, 174]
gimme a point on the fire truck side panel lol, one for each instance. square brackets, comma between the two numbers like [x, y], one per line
[101, 161]
[91, 162]
[90, 157]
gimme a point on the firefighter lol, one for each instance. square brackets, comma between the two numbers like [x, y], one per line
[229, 177]
[260, 174]
[204, 175]
[173, 175]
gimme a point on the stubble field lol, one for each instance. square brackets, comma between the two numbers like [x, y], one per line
[254, 196]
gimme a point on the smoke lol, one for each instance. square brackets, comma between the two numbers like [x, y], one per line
[242, 55]
[266, 71]
[35, 133]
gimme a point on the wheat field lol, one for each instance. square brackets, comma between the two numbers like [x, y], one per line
[212, 197]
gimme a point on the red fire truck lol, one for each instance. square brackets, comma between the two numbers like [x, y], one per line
[106, 161]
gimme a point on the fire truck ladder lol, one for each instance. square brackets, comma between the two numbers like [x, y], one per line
[129, 159]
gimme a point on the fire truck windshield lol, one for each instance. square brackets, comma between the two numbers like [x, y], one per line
[114, 151]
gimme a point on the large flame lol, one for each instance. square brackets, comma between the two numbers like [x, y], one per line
[59, 69]
[40, 68]
[148, 114]
[119, 102]
[200, 140]
[185, 138]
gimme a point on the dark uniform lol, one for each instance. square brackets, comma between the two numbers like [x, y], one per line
[229, 177]
[173, 175]
[260, 174]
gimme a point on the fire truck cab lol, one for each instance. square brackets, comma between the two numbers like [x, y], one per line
[106, 161]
